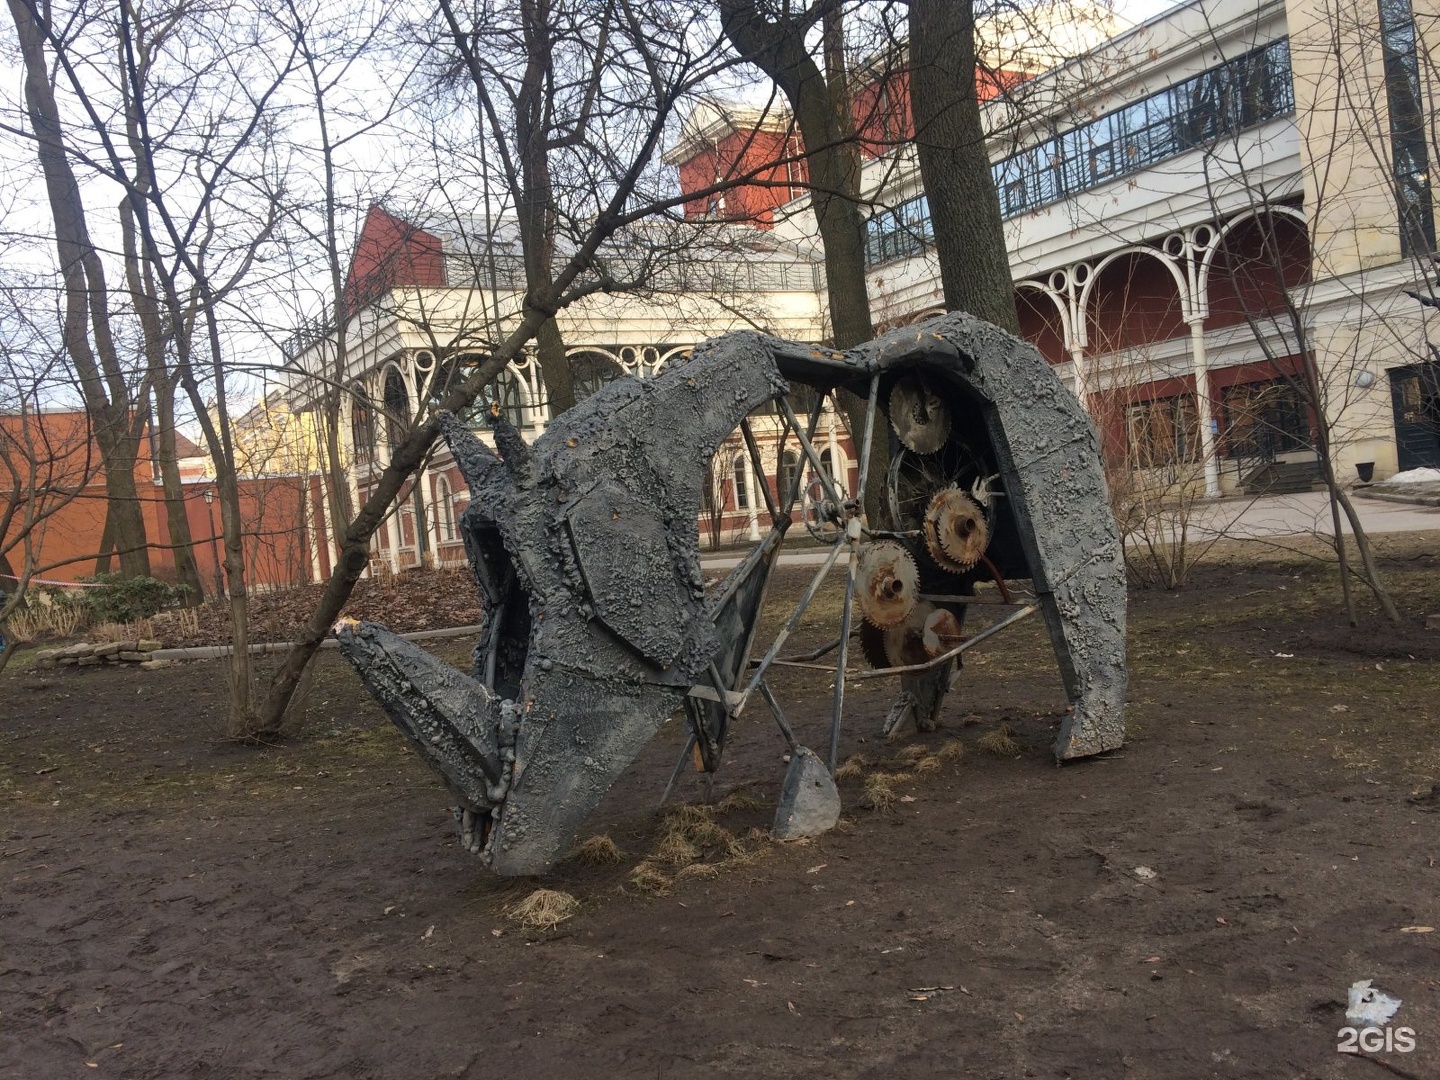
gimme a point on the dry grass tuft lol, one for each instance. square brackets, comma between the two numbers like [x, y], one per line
[598, 851]
[649, 878]
[953, 750]
[698, 870]
[853, 767]
[686, 814]
[999, 743]
[543, 909]
[928, 764]
[879, 791]
[675, 849]
[911, 754]
[128, 631]
[707, 835]
[739, 802]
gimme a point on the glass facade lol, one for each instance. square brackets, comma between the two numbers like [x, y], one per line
[1228, 98]
[1410, 157]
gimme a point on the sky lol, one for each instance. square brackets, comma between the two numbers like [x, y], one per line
[1137, 11]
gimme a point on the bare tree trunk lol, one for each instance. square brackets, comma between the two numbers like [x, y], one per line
[820, 105]
[182, 544]
[1340, 554]
[555, 368]
[1337, 496]
[108, 398]
[1367, 558]
[141, 284]
[950, 140]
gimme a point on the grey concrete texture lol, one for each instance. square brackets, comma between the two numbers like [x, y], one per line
[585, 546]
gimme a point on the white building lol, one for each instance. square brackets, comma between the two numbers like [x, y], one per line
[1191, 208]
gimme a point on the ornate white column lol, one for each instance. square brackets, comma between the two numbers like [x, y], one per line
[752, 496]
[833, 445]
[1208, 425]
[314, 524]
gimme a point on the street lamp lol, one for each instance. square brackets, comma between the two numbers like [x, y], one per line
[214, 551]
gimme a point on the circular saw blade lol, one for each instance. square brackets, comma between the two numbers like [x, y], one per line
[905, 643]
[887, 583]
[955, 530]
[920, 417]
[872, 644]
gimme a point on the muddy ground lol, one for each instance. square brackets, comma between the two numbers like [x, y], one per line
[173, 906]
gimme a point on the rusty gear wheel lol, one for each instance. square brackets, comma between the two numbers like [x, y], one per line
[887, 583]
[920, 417]
[956, 533]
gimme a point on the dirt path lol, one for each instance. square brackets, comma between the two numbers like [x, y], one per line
[172, 907]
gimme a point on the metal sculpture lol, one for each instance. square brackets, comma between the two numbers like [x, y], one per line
[597, 623]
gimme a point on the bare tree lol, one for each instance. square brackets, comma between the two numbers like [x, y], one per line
[950, 140]
[607, 185]
[175, 113]
[343, 110]
[46, 456]
[113, 395]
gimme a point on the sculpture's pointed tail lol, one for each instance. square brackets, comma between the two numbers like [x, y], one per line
[451, 719]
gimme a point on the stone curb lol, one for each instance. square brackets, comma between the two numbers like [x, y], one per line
[216, 652]
[1385, 496]
[149, 655]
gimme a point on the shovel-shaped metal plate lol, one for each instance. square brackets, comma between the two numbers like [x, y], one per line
[809, 803]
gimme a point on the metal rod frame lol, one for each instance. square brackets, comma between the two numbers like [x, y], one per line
[968, 643]
[853, 530]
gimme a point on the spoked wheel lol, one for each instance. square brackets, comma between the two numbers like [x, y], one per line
[905, 590]
[824, 519]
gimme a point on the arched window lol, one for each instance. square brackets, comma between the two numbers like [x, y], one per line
[591, 370]
[362, 426]
[742, 488]
[789, 469]
[444, 509]
[827, 463]
[397, 408]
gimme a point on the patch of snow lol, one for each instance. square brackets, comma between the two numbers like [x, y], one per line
[1416, 476]
[1368, 1006]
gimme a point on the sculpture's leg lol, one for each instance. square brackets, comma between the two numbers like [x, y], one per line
[565, 764]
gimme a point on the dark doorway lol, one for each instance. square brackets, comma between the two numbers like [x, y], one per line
[1415, 394]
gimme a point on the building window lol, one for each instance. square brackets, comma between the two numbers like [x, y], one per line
[1163, 432]
[742, 486]
[589, 371]
[362, 426]
[1409, 152]
[899, 232]
[506, 389]
[789, 472]
[397, 408]
[444, 510]
[1264, 419]
[1228, 98]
